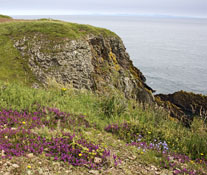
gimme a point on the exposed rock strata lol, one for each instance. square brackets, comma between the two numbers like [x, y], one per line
[96, 63]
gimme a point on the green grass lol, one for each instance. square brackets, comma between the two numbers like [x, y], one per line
[51, 28]
[12, 66]
[5, 17]
[103, 110]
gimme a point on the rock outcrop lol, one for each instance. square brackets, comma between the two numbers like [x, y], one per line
[95, 62]
[184, 105]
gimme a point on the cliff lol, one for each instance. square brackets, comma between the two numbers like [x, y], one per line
[80, 55]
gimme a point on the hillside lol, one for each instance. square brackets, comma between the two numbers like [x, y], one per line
[71, 102]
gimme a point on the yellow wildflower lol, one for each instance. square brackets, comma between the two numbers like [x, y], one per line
[29, 166]
[23, 123]
[80, 154]
[149, 132]
[202, 154]
[63, 89]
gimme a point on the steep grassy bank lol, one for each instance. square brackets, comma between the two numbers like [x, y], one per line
[139, 136]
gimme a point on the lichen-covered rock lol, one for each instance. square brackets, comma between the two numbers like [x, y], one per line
[97, 63]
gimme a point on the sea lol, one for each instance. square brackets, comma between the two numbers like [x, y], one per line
[170, 52]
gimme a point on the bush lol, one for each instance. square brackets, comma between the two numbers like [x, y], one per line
[113, 106]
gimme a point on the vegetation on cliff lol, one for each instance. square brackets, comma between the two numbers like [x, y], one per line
[5, 17]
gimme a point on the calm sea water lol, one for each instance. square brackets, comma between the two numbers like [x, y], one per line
[171, 52]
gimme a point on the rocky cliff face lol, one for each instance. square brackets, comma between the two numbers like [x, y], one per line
[97, 63]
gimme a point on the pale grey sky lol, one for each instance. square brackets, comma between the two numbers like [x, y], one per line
[196, 8]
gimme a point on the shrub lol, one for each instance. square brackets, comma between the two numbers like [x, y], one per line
[113, 106]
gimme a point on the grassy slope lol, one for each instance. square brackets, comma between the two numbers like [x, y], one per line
[5, 17]
[150, 122]
[12, 66]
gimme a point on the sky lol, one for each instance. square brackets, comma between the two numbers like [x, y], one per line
[187, 8]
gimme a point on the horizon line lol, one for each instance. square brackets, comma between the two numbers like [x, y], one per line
[115, 14]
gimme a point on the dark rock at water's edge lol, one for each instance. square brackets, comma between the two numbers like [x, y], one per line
[184, 105]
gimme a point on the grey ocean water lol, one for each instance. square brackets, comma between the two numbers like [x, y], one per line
[171, 52]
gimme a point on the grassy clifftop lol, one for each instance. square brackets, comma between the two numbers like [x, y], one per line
[12, 66]
[52, 28]
[5, 17]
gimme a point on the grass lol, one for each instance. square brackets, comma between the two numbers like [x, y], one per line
[136, 134]
[5, 17]
[51, 28]
[13, 67]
